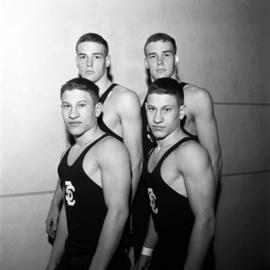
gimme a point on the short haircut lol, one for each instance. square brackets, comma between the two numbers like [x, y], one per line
[161, 37]
[83, 85]
[93, 37]
[167, 86]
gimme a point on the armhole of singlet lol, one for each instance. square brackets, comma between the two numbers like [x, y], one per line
[106, 93]
[170, 150]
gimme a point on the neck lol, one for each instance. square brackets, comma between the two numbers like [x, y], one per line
[170, 139]
[89, 136]
[103, 84]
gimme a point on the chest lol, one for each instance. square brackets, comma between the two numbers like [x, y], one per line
[111, 116]
[167, 171]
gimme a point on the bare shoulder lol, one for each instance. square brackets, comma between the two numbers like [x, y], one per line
[64, 152]
[125, 96]
[110, 148]
[197, 99]
[191, 153]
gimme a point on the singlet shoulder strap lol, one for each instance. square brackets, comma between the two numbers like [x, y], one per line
[172, 148]
[65, 156]
[107, 92]
[83, 153]
[183, 84]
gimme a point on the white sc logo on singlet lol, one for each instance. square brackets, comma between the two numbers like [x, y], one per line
[69, 193]
[152, 198]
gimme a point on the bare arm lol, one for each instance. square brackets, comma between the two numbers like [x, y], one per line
[52, 218]
[116, 183]
[207, 128]
[131, 127]
[200, 186]
[150, 241]
[59, 243]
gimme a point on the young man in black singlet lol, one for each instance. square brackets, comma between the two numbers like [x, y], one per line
[161, 60]
[180, 184]
[121, 116]
[96, 184]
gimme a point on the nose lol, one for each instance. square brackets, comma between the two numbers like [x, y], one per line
[158, 117]
[160, 60]
[89, 61]
[73, 113]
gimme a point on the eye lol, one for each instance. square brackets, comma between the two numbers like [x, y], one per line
[81, 105]
[98, 57]
[152, 56]
[81, 56]
[166, 55]
[167, 109]
[65, 106]
[150, 109]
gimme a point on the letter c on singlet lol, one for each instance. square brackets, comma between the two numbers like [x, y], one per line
[69, 193]
[152, 198]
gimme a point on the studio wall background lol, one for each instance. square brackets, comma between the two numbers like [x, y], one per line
[223, 46]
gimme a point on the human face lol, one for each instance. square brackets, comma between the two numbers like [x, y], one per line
[79, 112]
[160, 59]
[92, 61]
[163, 114]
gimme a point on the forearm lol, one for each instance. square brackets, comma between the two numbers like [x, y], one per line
[59, 243]
[57, 197]
[136, 174]
[110, 236]
[202, 234]
[217, 166]
[151, 238]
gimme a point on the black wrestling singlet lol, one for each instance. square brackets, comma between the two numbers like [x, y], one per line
[172, 215]
[173, 219]
[101, 123]
[85, 212]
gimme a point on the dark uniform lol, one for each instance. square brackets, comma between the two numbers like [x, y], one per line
[172, 216]
[85, 211]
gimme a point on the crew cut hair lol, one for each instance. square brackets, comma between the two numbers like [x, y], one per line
[93, 37]
[83, 85]
[161, 37]
[167, 86]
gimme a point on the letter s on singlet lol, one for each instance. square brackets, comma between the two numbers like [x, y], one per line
[69, 193]
[152, 198]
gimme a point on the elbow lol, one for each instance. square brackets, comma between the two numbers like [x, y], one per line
[210, 225]
[121, 216]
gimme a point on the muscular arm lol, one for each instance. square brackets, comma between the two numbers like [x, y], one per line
[150, 241]
[196, 168]
[116, 183]
[52, 218]
[59, 243]
[206, 126]
[131, 123]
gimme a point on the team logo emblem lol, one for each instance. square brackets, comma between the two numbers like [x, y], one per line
[152, 198]
[69, 193]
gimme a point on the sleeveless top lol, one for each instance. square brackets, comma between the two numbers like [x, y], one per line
[101, 123]
[171, 211]
[84, 201]
[147, 137]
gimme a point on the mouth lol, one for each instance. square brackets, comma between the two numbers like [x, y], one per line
[73, 124]
[89, 72]
[158, 128]
[161, 70]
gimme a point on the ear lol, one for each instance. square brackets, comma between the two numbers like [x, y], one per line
[108, 61]
[146, 63]
[182, 112]
[98, 109]
[176, 59]
[77, 60]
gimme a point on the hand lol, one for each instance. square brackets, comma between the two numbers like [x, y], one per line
[143, 263]
[51, 221]
[50, 266]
